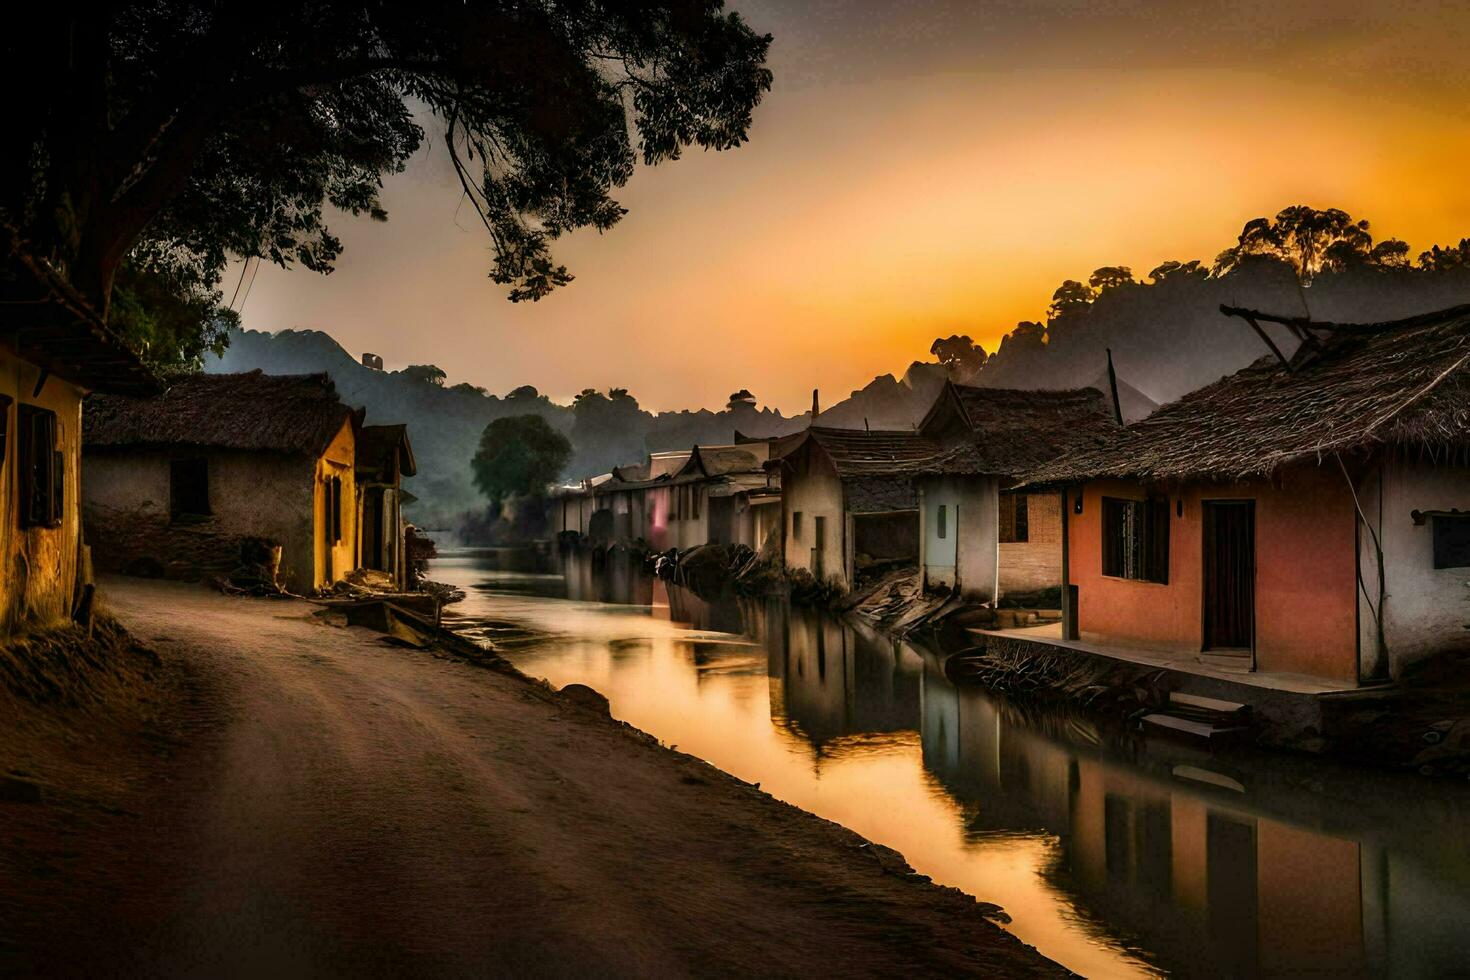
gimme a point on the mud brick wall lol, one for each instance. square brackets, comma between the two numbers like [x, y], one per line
[140, 541]
[1035, 564]
[252, 496]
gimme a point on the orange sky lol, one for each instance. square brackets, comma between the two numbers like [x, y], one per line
[920, 170]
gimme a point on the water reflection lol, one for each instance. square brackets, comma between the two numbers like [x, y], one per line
[1115, 855]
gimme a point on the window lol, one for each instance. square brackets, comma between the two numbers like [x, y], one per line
[188, 488]
[941, 521]
[1013, 522]
[1451, 540]
[334, 505]
[1135, 541]
[796, 525]
[42, 468]
[694, 495]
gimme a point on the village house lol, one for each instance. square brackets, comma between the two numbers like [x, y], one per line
[848, 499]
[679, 499]
[725, 495]
[977, 536]
[1307, 516]
[199, 480]
[384, 457]
[54, 349]
[937, 496]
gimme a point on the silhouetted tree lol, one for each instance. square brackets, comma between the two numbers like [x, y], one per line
[1307, 238]
[1071, 297]
[425, 373]
[1179, 270]
[519, 456]
[1110, 277]
[1391, 253]
[1439, 259]
[741, 399]
[960, 355]
[173, 135]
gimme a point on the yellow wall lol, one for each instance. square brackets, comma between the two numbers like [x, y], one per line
[39, 567]
[333, 562]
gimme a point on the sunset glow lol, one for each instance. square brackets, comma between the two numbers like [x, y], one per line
[890, 195]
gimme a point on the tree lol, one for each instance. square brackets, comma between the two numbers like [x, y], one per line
[960, 355]
[1071, 297]
[425, 374]
[1178, 270]
[1309, 239]
[1110, 277]
[519, 456]
[174, 134]
[1392, 253]
[1439, 259]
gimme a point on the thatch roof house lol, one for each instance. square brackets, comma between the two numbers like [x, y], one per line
[933, 494]
[978, 536]
[198, 480]
[1309, 514]
[53, 350]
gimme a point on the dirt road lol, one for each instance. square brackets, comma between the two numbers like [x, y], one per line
[311, 800]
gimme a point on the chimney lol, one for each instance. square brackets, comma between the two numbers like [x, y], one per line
[816, 409]
[1113, 383]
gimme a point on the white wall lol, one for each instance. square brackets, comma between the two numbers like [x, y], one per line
[1426, 610]
[967, 555]
[810, 487]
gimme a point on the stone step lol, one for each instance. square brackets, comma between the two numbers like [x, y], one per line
[1206, 704]
[1186, 726]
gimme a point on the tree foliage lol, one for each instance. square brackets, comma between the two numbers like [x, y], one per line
[1309, 239]
[1110, 277]
[519, 456]
[174, 134]
[1070, 297]
[430, 374]
[960, 355]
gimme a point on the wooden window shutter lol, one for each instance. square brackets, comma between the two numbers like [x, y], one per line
[1156, 540]
[1022, 528]
[1007, 517]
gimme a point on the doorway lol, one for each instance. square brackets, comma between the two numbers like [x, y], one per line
[1230, 577]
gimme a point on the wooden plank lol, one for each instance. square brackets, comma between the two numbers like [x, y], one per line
[1208, 704]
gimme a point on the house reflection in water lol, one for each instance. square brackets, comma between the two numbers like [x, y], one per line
[1214, 868]
[1115, 853]
[1183, 860]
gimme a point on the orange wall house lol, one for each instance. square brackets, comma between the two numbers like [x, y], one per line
[1305, 572]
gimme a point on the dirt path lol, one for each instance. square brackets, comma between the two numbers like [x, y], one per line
[314, 801]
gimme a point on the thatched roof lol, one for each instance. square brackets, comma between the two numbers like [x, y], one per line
[1016, 429]
[377, 444]
[714, 461]
[283, 413]
[1349, 387]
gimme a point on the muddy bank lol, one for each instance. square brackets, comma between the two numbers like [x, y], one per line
[297, 797]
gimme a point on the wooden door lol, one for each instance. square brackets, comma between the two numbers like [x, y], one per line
[1230, 574]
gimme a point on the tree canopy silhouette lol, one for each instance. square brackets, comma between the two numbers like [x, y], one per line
[519, 456]
[960, 355]
[1071, 297]
[166, 136]
[430, 374]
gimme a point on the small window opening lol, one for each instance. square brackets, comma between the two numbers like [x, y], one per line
[188, 488]
[42, 468]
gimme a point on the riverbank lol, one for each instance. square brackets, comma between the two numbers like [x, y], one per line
[296, 797]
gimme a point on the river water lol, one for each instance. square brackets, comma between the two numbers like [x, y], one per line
[1114, 855]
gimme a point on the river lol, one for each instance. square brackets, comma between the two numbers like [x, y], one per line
[1114, 855]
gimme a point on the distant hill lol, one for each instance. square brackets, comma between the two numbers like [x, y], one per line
[445, 423]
